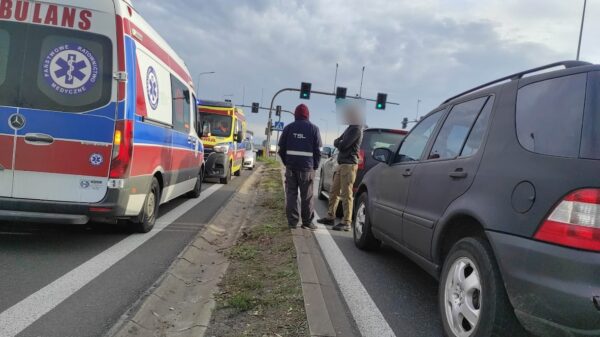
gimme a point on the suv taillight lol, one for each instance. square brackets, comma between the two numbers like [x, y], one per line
[361, 159]
[574, 222]
[122, 149]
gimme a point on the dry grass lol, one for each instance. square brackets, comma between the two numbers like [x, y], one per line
[261, 293]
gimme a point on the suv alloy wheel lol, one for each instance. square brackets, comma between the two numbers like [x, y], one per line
[361, 226]
[472, 298]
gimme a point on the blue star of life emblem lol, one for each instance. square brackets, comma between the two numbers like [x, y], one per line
[96, 159]
[152, 87]
[70, 69]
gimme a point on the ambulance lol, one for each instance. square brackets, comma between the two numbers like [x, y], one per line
[97, 115]
[224, 133]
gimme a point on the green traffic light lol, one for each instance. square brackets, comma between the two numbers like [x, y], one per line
[379, 106]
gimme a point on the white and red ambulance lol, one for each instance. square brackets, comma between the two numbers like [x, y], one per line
[97, 115]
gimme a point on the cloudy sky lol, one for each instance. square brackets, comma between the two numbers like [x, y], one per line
[425, 49]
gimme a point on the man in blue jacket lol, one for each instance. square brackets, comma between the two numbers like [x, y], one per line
[299, 149]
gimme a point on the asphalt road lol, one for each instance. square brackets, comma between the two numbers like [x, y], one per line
[403, 292]
[34, 258]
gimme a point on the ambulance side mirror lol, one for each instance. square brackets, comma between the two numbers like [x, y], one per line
[239, 137]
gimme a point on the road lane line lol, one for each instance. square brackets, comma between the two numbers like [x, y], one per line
[368, 318]
[20, 316]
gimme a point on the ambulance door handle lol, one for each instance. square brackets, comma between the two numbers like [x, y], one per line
[38, 139]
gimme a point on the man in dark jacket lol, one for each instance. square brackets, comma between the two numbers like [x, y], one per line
[299, 149]
[348, 145]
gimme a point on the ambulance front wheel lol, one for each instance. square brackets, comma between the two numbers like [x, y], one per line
[227, 178]
[147, 218]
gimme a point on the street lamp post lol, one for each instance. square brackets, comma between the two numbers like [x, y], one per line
[201, 74]
[581, 29]
[326, 128]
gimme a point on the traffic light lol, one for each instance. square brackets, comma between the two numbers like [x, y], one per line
[278, 110]
[381, 101]
[255, 107]
[404, 123]
[305, 90]
[340, 93]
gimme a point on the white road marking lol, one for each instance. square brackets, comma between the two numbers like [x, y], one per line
[368, 318]
[15, 233]
[18, 317]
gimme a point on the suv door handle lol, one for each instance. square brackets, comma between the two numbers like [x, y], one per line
[39, 139]
[407, 173]
[458, 174]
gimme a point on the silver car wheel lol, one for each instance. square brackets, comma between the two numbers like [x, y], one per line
[359, 222]
[462, 297]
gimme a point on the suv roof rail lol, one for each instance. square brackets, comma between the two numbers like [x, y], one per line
[519, 75]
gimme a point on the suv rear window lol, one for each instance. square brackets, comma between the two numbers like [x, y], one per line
[374, 139]
[550, 114]
[54, 69]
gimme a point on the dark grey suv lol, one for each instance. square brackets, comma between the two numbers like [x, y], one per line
[497, 194]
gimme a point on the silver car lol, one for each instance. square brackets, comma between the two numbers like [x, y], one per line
[249, 156]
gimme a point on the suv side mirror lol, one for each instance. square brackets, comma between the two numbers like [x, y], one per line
[326, 152]
[382, 154]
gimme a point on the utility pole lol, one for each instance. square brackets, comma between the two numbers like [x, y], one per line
[361, 81]
[335, 78]
[326, 129]
[581, 29]
[418, 105]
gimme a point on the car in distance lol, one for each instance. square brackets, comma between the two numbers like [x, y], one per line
[249, 156]
[327, 151]
[372, 138]
[496, 193]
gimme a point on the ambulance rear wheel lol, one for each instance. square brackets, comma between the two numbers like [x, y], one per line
[227, 178]
[147, 218]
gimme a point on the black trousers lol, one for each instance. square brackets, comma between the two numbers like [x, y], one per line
[297, 180]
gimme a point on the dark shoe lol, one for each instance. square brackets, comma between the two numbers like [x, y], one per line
[292, 226]
[325, 221]
[310, 226]
[341, 227]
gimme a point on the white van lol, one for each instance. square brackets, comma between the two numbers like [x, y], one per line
[97, 115]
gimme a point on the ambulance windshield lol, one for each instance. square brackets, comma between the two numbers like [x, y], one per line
[54, 69]
[220, 125]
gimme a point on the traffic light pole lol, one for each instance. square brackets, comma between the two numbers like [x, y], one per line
[261, 108]
[270, 122]
[278, 132]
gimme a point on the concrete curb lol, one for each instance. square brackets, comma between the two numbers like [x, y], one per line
[182, 303]
[319, 321]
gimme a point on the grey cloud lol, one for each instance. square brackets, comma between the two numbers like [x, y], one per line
[410, 51]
